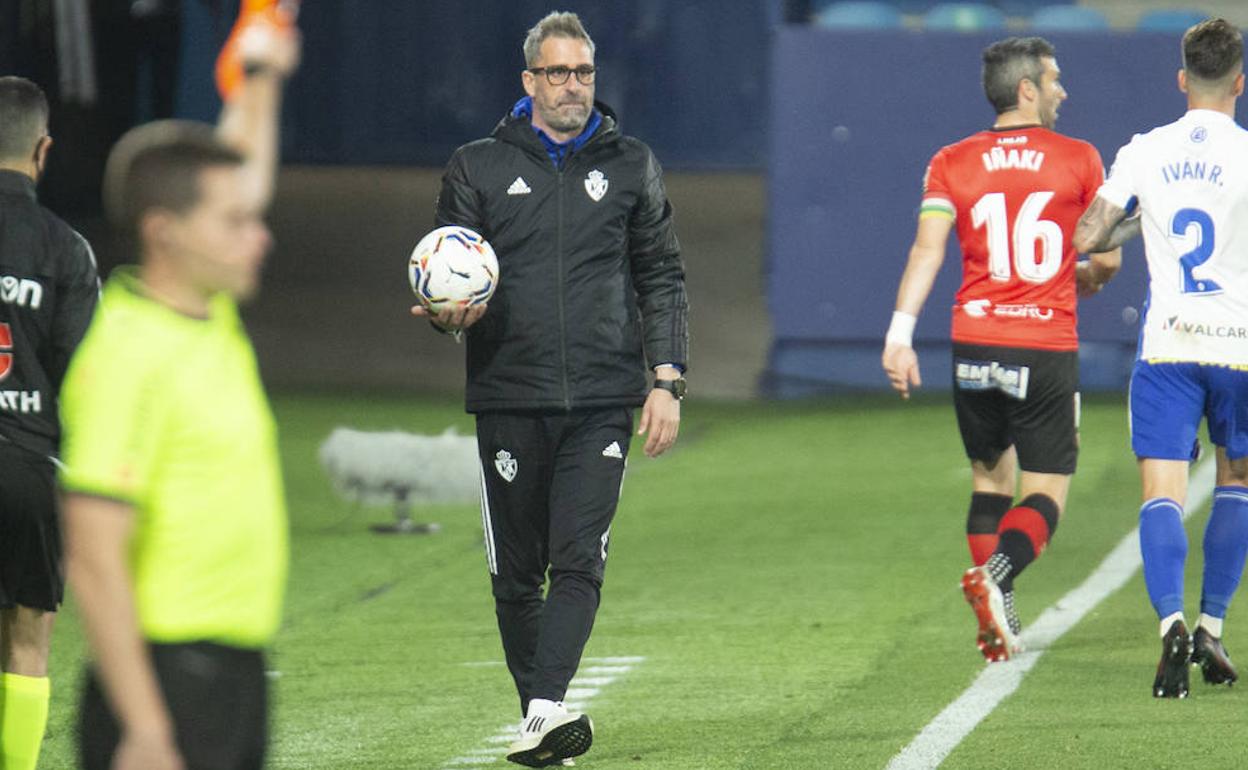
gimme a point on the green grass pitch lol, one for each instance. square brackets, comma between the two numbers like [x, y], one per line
[789, 574]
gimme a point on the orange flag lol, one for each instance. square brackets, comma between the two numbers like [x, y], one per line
[277, 13]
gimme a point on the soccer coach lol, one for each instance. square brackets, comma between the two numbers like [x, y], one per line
[591, 295]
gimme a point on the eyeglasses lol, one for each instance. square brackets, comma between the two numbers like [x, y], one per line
[557, 76]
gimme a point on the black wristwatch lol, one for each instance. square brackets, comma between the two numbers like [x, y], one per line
[676, 387]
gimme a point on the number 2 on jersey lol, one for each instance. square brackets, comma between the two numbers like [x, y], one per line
[1029, 230]
[1179, 225]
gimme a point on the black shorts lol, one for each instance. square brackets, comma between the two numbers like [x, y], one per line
[30, 535]
[217, 696]
[1020, 397]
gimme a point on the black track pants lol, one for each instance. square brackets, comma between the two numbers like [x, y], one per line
[550, 485]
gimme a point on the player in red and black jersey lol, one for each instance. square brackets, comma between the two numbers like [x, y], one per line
[1014, 193]
[48, 291]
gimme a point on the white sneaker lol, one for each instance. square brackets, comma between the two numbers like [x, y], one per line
[550, 735]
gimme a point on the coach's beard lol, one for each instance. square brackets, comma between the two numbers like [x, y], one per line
[569, 116]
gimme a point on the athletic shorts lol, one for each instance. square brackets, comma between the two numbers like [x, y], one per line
[1028, 399]
[217, 695]
[1168, 401]
[30, 535]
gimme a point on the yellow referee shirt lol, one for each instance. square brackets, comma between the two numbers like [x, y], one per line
[166, 412]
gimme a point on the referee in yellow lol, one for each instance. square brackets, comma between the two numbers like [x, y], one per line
[175, 520]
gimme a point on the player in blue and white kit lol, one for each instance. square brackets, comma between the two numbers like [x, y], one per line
[1185, 187]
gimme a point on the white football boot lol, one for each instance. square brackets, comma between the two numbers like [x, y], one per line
[550, 734]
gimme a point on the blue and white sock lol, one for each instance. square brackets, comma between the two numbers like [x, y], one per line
[1163, 546]
[1226, 545]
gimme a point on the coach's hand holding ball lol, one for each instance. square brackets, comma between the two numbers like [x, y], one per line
[451, 319]
[453, 272]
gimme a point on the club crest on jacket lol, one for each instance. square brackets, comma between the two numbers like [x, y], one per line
[596, 184]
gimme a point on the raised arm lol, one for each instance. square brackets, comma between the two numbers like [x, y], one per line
[251, 118]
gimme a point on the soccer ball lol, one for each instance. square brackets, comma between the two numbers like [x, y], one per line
[452, 267]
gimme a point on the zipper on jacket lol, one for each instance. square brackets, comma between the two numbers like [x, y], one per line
[563, 329]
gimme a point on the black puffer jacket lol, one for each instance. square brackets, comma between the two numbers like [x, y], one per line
[590, 269]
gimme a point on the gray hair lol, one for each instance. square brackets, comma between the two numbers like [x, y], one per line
[555, 24]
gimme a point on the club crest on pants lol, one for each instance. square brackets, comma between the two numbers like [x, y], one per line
[505, 464]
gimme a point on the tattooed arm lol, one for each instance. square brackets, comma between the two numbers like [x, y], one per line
[1104, 227]
[1101, 231]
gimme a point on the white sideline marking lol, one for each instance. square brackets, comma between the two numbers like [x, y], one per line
[604, 669]
[582, 688]
[997, 681]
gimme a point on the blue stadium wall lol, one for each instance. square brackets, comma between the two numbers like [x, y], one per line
[842, 124]
[855, 116]
[398, 82]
